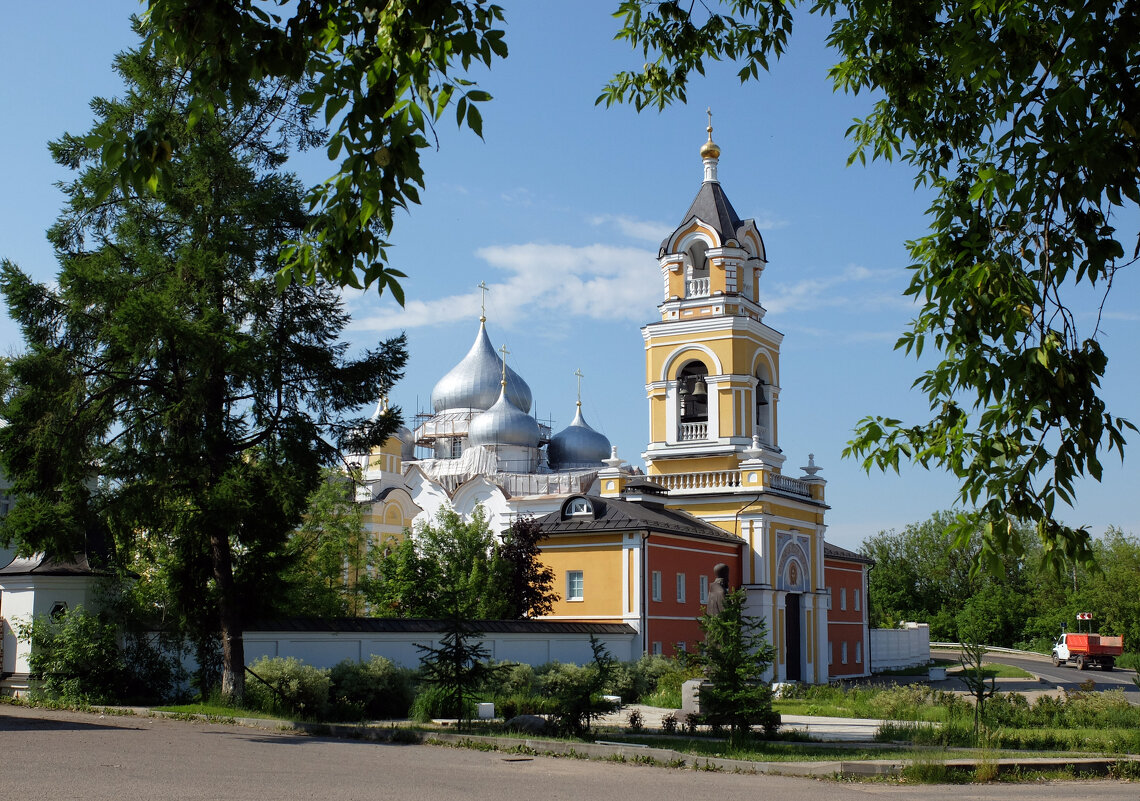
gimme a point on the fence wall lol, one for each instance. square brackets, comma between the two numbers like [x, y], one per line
[894, 649]
[323, 649]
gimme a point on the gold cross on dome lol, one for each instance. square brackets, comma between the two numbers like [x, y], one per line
[483, 289]
[504, 351]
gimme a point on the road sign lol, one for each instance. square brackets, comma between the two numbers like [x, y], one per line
[1084, 615]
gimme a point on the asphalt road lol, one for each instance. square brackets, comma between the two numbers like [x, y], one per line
[1066, 677]
[63, 755]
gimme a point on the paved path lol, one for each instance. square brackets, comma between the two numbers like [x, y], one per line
[51, 756]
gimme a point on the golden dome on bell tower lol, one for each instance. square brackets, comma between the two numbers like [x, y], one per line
[710, 149]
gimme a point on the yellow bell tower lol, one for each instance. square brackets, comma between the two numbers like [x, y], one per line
[712, 364]
[712, 377]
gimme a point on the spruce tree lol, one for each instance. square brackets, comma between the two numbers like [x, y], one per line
[170, 389]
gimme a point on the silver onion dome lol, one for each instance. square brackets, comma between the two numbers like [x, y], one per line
[504, 424]
[577, 445]
[474, 383]
[407, 443]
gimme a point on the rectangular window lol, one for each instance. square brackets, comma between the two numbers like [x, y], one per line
[843, 653]
[657, 586]
[680, 647]
[843, 600]
[680, 588]
[830, 652]
[657, 649]
[704, 589]
[858, 600]
[574, 585]
[859, 653]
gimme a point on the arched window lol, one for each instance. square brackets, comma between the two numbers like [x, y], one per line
[697, 271]
[693, 401]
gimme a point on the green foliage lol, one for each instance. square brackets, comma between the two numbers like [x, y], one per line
[528, 584]
[921, 575]
[975, 627]
[576, 691]
[76, 657]
[167, 361]
[288, 686]
[377, 689]
[1023, 121]
[433, 701]
[458, 667]
[381, 77]
[453, 562]
[735, 656]
[329, 555]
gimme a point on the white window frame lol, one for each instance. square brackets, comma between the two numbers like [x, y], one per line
[704, 589]
[579, 506]
[655, 585]
[571, 575]
[859, 652]
[681, 588]
[858, 602]
[830, 653]
[843, 601]
[843, 652]
[657, 649]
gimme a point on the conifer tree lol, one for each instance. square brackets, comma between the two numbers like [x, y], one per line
[170, 389]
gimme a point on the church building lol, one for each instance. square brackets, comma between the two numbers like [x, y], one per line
[637, 548]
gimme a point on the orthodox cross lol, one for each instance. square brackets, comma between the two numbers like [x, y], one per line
[483, 289]
[504, 351]
[578, 373]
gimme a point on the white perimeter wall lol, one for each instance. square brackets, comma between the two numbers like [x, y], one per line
[906, 646]
[325, 649]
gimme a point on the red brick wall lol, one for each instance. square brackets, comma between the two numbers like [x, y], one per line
[669, 621]
[846, 626]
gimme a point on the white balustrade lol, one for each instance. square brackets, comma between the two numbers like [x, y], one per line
[697, 287]
[694, 431]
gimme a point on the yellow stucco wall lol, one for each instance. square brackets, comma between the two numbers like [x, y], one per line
[602, 570]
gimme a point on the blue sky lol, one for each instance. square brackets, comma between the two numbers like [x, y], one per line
[560, 210]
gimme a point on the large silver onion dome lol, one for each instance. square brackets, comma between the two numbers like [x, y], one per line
[474, 383]
[577, 445]
[504, 424]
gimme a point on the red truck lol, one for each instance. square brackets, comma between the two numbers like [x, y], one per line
[1087, 649]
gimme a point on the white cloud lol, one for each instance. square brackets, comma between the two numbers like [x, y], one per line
[855, 286]
[770, 223]
[643, 230]
[542, 283]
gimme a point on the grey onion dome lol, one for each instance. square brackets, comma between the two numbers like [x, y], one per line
[577, 445]
[504, 424]
[475, 382]
[407, 443]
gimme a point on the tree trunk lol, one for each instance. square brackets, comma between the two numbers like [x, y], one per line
[233, 645]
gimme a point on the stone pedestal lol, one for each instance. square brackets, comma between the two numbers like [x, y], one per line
[691, 696]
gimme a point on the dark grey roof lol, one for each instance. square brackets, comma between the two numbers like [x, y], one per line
[370, 625]
[42, 565]
[712, 206]
[835, 552]
[617, 514]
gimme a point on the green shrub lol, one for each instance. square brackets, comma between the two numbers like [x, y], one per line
[293, 687]
[509, 706]
[375, 689]
[76, 657]
[517, 679]
[433, 701]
